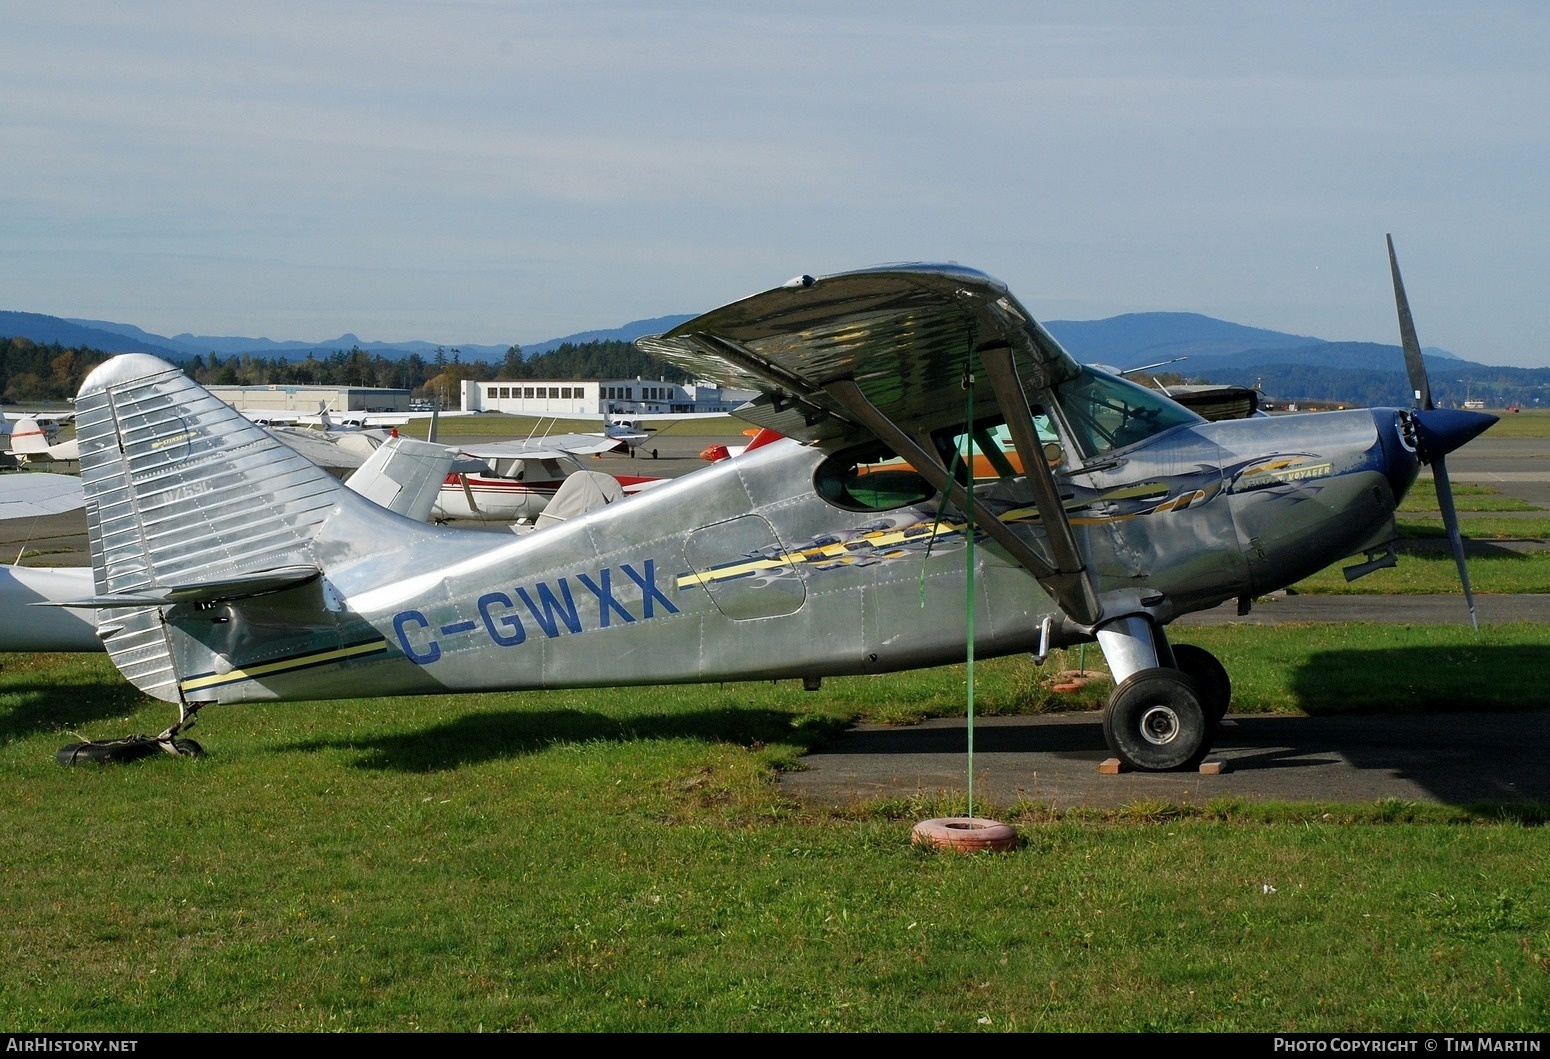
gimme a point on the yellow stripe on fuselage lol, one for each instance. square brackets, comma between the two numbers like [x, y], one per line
[312, 658]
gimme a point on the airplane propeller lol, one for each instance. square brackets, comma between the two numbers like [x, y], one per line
[1438, 431]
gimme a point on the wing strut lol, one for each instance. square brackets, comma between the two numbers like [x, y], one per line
[1070, 585]
[1070, 588]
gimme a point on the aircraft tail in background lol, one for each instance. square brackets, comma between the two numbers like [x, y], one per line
[31, 442]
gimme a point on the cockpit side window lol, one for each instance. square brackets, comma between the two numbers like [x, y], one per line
[870, 478]
[1106, 412]
[873, 478]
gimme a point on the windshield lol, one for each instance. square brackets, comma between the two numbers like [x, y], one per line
[1106, 412]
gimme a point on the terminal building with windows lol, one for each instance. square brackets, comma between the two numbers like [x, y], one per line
[581, 398]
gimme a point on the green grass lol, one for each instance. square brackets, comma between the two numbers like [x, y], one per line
[1435, 572]
[1528, 424]
[1327, 668]
[624, 860]
[1477, 527]
[1428, 570]
[1467, 497]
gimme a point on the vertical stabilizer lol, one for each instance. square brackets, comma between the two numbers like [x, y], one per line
[180, 488]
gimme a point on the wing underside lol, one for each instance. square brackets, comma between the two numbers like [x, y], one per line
[553, 447]
[904, 335]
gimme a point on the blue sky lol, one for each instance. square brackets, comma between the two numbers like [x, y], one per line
[496, 172]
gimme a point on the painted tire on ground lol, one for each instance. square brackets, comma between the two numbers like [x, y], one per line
[967, 834]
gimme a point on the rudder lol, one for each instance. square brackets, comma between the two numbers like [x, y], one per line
[181, 488]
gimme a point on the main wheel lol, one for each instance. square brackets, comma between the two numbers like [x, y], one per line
[1155, 721]
[1211, 678]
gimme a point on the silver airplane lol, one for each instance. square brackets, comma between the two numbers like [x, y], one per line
[227, 569]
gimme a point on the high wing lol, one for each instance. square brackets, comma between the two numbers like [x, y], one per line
[32, 495]
[904, 334]
[337, 452]
[892, 353]
[269, 417]
[357, 420]
[552, 447]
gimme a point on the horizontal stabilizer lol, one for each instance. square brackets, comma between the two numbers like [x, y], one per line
[260, 583]
[405, 475]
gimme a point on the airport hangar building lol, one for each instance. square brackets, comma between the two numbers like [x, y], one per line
[305, 400]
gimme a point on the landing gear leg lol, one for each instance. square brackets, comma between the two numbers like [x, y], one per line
[170, 741]
[1157, 719]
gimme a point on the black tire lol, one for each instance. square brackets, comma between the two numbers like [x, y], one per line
[1211, 678]
[1155, 721]
[188, 748]
[112, 752]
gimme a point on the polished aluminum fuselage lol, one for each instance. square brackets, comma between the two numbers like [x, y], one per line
[741, 571]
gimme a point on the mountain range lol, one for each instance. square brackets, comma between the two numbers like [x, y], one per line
[1125, 342]
[1188, 345]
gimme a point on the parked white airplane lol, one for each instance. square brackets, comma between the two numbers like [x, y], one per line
[341, 420]
[33, 440]
[629, 435]
[519, 478]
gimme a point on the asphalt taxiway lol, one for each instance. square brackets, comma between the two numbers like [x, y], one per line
[1056, 759]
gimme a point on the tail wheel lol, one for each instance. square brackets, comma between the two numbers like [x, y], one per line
[1156, 722]
[121, 751]
[109, 752]
[1211, 678]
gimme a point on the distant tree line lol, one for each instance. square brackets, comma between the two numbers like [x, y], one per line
[595, 360]
[38, 372]
[32, 372]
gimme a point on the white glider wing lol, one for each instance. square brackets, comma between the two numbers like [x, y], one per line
[30, 495]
